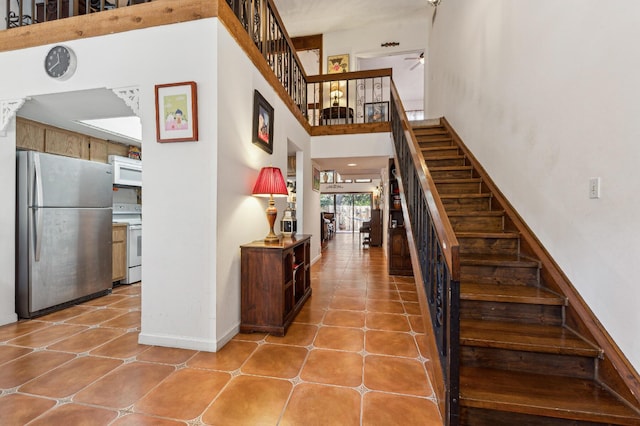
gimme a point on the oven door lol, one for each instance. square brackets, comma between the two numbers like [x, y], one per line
[134, 246]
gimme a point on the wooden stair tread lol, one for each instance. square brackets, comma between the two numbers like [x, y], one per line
[435, 143]
[479, 195]
[458, 180]
[551, 396]
[477, 213]
[510, 260]
[423, 129]
[505, 293]
[439, 157]
[449, 168]
[527, 337]
[512, 235]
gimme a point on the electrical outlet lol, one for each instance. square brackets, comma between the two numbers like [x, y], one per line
[594, 187]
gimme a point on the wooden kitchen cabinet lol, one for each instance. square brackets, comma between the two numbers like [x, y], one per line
[275, 283]
[119, 247]
[69, 144]
[29, 135]
[98, 150]
[34, 136]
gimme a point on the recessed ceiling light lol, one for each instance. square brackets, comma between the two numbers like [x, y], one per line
[352, 164]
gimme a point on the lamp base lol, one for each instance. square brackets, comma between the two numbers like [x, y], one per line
[271, 239]
[272, 212]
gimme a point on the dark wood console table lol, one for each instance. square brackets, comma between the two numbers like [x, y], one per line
[275, 283]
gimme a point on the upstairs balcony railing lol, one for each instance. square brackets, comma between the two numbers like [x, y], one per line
[349, 98]
[28, 12]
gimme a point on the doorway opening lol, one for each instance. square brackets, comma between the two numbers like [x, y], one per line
[351, 210]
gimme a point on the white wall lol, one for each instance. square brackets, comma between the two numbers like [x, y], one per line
[7, 224]
[357, 145]
[240, 217]
[545, 94]
[197, 205]
[366, 41]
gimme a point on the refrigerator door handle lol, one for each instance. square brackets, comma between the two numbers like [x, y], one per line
[37, 205]
[37, 181]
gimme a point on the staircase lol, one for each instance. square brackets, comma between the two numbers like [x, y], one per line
[519, 362]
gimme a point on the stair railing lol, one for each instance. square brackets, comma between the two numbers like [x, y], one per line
[262, 22]
[435, 258]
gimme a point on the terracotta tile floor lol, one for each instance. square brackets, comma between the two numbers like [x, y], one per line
[355, 355]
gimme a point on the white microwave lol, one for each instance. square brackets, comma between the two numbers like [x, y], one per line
[126, 171]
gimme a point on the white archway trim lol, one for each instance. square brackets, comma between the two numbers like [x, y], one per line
[130, 96]
[8, 109]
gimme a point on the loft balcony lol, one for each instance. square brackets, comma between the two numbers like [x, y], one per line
[355, 102]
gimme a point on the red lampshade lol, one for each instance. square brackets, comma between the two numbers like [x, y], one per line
[270, 182]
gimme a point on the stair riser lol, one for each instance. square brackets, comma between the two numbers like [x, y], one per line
[430, 132]
[441, 152]
[434, 141]
[467, 204]
[433, 144]
[529, 362]
[451, 174]
[443, 162]
[513, 312]
[459, 188]
[476, 224]
[471, 416]
[499, 274]
[470, 245]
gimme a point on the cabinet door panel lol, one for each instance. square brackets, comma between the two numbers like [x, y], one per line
[67, 144]
[97, 150]
[29, 136]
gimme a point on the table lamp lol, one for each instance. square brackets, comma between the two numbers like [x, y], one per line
[336, 93]
[270, 182]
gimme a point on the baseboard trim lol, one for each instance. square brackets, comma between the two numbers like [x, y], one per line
[8, 319]
[180, 342]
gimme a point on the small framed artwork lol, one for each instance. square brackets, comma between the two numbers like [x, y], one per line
[177, 112]
[262, 123]
[376, 112]
[337, 64]
[316, 180]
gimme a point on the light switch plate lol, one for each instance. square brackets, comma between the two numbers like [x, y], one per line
[594, 187]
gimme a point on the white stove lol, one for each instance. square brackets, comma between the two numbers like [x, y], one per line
[131, 214]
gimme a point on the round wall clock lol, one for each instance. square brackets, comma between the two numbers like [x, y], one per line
[60, 62]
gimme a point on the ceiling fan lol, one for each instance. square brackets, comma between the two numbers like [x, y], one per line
[419, 61]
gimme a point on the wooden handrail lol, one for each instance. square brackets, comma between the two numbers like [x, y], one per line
[323, 78]
[447, 236]
[434, 251]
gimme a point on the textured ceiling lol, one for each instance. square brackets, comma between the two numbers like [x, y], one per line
[306, 17]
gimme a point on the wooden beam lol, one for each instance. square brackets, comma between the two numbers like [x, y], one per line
[145, 15]
[351, 129]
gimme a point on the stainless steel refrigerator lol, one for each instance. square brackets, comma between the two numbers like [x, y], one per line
[63, 231]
